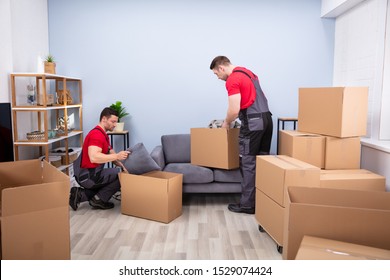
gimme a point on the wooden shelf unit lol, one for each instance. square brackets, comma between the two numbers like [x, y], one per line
[44, 112]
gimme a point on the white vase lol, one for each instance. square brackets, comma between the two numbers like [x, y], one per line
[119, 126]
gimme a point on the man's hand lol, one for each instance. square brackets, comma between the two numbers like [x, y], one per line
[226, 125]
[122, 155]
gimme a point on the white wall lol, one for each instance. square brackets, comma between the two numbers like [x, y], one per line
[359, 60]
[384, 133]
[24, 35]
[359, 51]
[6, 49]
[155, 56]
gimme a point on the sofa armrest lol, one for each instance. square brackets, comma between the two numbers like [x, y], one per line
[158, 155]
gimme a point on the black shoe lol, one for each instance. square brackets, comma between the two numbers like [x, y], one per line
[237, 208]
[75, 197]
[100, 204]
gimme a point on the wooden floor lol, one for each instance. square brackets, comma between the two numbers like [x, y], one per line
[205, 231]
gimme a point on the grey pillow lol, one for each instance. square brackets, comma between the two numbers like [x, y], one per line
[140, 161]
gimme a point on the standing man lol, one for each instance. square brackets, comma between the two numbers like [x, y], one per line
[246, 101]
[98, 184]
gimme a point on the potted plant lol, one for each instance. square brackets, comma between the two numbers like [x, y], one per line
[50, 65]
[117, 106]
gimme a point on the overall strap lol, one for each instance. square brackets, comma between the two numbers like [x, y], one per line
[105, 135]
[244, 73]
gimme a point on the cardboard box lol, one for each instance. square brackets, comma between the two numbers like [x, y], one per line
[275, 173]
[34, 211]
[352, 179]
[314, 248]
[333, 111]
[342, 153]
[215, 147]
[360, 217]
[307, 147]
[270, 216]
[156, 195]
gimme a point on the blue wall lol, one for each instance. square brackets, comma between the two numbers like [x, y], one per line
[155, 56]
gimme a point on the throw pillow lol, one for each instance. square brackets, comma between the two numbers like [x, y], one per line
[140, 161]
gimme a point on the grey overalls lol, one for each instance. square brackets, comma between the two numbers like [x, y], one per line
[103, 182]
[254, 139]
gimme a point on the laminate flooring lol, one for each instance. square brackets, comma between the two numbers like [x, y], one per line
[206, 230]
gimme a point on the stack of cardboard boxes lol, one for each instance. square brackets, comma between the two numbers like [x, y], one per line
[330, 124]
[273, 175]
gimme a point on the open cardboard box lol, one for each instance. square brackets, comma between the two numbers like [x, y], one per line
[34, 211]
[353, 216]
[155, 195]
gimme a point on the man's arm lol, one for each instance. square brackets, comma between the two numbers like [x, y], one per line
[233, 109]
[96, 156]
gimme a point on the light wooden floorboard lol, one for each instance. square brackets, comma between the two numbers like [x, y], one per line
[206, 230]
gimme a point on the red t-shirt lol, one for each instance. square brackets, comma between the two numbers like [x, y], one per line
[96, 137]
[240, 83]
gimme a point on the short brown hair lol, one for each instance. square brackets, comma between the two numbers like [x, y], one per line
[108, 112]
[219, 60]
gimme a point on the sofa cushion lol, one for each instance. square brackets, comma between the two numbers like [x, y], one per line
[191, 173]
[228, 176]
[140, 161]
[177, 148]
[157, 155]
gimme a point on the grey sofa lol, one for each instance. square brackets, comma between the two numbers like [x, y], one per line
[174, 155]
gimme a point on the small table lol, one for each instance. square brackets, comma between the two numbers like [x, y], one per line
[124, 133]
[284, 120]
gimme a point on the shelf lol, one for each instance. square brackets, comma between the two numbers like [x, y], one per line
[43, 108]
[45, 75]
[43, 143]
[46, 114]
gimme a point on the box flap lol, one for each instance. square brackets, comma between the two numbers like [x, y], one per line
[340, 197]
[18, 200]
[51, 174]
[19, 173]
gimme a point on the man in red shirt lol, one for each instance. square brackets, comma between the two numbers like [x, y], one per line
[98, 184]
[246, 101]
